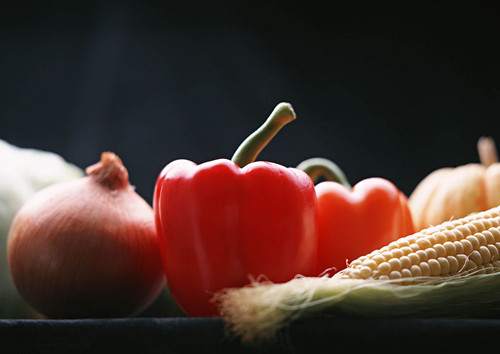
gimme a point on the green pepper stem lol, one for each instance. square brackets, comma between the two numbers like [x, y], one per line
[317, 167]
[250, 148]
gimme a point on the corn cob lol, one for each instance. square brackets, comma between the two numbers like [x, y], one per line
[459, 247]
[448, 270]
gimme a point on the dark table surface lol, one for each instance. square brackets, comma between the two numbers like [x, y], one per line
[208, 335]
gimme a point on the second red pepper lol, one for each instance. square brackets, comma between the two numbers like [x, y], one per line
[354, 222]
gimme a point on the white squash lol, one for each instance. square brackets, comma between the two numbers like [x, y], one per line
[23, 172]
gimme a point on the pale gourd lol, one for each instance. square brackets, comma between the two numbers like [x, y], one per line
[455, 192]
[23, 172]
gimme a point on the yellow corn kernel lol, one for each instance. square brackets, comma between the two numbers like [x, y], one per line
[454, 266]
[405, 262]
[449, 248]
[440, 249]
[415, 259]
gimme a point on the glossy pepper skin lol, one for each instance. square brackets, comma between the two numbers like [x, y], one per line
[220, 225]
[358, 220]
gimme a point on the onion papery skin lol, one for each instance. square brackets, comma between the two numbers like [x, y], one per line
[81, 249]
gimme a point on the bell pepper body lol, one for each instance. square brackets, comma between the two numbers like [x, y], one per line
[221, 226]
[355, 222]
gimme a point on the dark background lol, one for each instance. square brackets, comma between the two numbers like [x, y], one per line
[394, 91]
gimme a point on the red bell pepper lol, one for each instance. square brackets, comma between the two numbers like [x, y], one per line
[354, 222]
[222, 223]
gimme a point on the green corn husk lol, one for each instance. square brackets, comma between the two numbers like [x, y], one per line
[257, 312]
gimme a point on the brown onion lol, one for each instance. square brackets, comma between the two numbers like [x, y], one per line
[87, 248]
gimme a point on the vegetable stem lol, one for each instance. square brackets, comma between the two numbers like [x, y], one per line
[250, 148]
[317, 167]
[487, 151]
[109, 172]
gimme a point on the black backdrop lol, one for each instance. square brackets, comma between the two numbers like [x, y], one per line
[391, 91]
